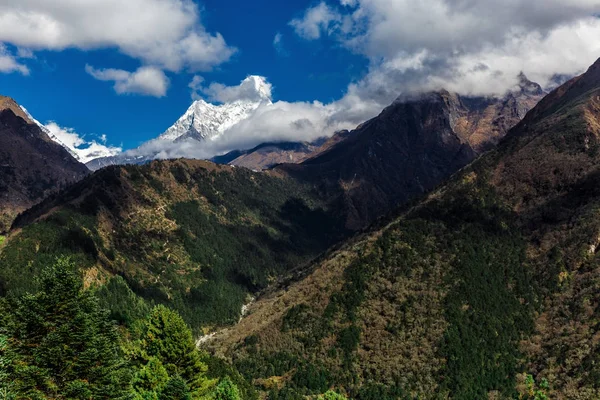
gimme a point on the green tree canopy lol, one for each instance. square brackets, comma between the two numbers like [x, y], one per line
[176, 389]
[167, 338]
[227, 390]
[65, 345]
[331, 395]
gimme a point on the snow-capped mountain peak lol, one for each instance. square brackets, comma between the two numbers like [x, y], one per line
[205, 120]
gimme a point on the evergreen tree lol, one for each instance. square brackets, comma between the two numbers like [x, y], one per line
[65, 345]
[169, 340]
[227, 390]
[176, 389]
[151, 378]
[6, 385]
[331, 395]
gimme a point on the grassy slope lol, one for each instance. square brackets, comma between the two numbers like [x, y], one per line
[493, 275]
[185, 233]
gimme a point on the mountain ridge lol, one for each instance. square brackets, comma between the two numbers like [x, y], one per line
[484, 289]
[33, 164]
[423, 138]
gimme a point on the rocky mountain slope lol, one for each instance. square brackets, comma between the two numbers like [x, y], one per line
[32, 164]
[410, 148]
[488, 288]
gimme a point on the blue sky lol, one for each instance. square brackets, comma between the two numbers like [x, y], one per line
[122, 69]
[59, 89]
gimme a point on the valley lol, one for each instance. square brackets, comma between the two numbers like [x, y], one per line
[483, 288]
[445, 249]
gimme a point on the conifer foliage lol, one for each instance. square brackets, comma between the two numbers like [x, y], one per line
[64, 344]
[59, 343]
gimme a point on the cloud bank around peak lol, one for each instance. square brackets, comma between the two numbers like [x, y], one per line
[279, 121]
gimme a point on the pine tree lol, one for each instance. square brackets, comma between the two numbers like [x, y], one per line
[151, 378]
[227, 390]
[66, 346]
[176, 389]
[331, 395]
[168, 338]
[6, 357]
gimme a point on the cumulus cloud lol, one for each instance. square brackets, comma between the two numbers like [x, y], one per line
[317, 19]
[84, 150]
[253, 88]
[164, 33]
[474, 47]
[147, 81]
[196, 86]
[279, 121]
[9, 63]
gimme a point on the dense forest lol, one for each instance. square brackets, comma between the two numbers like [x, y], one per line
[60, 343]
[486, 289]
[190, 235]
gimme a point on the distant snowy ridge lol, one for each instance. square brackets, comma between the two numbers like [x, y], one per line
[50, 134]
[201, 122]
[82, 150]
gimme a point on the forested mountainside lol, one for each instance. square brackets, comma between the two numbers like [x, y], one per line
[410, 148]
[192, 235]
[202, 238]
[488, 288]
[32, 165]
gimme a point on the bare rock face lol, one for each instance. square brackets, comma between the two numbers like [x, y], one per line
[32, 165]
[483, 122]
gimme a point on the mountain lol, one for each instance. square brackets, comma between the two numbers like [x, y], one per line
[81, 150]
[33, 165]
[483, 122]
[487, 288]
[201, 122]
[412, 146]
[268, 155]
[189, 234]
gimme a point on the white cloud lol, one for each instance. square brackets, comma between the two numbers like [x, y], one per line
[253, 88]
[196, 86]
[85, 150]
[280, 121]
[9, 63]
[147, 81]
[167, 34]
[317, 19]
[474, 47]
